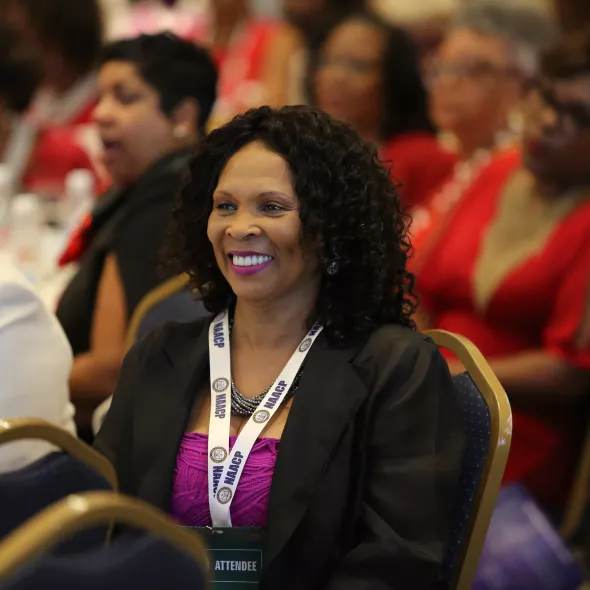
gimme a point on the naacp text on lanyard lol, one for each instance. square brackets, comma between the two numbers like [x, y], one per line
[225, 468]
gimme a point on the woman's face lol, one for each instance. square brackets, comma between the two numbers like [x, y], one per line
[473, 85]
[134, 131]
[557, 130]
[255, 229]
[349, 81]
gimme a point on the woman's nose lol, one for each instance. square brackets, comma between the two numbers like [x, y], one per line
[242, 226]
[102, 113]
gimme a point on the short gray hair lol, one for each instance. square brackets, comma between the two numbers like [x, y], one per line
[528, 30]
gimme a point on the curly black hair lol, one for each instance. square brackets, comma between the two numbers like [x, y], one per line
[349, 209]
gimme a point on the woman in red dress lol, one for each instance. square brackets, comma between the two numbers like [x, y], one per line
[68, 37]
[509, 268]
[368, 75]
[476, 82]
[254, 57]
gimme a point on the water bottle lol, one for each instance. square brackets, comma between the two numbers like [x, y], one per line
[5, 196]
[26, 231]
[78, 197]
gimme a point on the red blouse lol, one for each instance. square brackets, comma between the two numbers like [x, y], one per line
[241, 67]
[417, 161]
[540, 302]
[59, 149]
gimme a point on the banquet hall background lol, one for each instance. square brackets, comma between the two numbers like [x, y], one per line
[449, 91]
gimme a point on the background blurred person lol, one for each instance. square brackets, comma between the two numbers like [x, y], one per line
[141, 17]
[155, 96]
[368, 75]
[314, 19]
[35, 363]
[254, 57]
[19, 76]
[476, 87]
[289, 220]
[510, 266]
[67, 37]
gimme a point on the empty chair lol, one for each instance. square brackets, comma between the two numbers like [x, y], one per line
[75, 468]
[166, 557]
[487, 420]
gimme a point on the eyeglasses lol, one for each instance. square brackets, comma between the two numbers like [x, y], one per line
[350, 65]
[472, 71]
[541, 92]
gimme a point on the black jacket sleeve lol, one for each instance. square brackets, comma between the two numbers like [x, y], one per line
[414, 453]
[115, 438]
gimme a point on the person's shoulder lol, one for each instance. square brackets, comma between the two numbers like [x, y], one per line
[14, 286]
[168, 338]
[397, 341]
[395, 348]
[417, 144]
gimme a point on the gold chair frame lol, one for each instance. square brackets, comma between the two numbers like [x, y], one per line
[18, 429]
[155, 296]
[500, 437]
[81, 511]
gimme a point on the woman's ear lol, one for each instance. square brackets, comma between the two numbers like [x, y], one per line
[185, 119]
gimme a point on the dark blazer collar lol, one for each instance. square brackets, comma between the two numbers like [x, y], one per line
[328, 397]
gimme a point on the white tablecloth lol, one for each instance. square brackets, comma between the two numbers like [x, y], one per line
[50, 280]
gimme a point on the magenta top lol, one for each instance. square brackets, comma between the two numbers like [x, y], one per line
[190, 502]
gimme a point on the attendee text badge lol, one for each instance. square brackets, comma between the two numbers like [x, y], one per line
[235, 556]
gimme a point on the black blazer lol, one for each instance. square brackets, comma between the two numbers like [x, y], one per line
[369, 459]
[131, 224]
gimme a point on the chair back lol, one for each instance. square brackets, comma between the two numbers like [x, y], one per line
[168, 556]
[487, 423]
[172, 301]
[76, 468]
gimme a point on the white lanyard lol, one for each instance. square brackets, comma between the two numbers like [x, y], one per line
[225, 468]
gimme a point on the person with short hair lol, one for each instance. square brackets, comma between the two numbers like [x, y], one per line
[368, 74]
[155, 96]
[312, 370]
[509, 268]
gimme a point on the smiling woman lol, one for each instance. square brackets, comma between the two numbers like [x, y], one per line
[310, 381]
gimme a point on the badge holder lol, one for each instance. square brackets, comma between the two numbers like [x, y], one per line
[235, 556]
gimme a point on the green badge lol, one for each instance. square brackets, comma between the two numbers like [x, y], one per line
[235, 556]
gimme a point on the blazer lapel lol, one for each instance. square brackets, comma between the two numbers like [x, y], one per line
[329, 395]
[164, 411]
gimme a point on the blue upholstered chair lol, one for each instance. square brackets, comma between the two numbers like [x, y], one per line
[487, 420]
[163, 556]
[75, 468]
[171, 301]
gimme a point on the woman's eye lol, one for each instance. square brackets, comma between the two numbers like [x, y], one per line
[225, 206]
[127, 98]
[273, 208]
